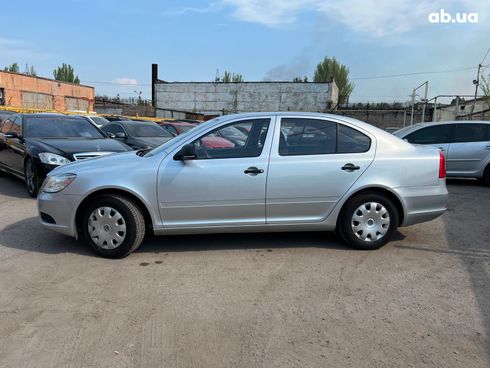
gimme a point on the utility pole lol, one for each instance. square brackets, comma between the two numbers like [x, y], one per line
[476, 82]
[425, 100]
[413, 106]
[413, 95]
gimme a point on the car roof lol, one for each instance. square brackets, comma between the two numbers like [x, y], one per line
[133, 122]
[413, 128]
[180, 123]
[47, 114]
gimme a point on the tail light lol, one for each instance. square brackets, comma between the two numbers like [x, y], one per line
[442, 165]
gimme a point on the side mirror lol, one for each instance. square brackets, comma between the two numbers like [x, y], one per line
[120, 135]
[111, 135]
[11, 135]
[187, 152]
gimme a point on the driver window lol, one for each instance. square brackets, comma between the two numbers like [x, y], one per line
[244, 138]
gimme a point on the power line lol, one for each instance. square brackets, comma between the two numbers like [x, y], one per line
[485, 56]
[355, 78]
[414, 73]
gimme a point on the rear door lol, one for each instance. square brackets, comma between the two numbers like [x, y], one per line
[313, 163]
[470, 148]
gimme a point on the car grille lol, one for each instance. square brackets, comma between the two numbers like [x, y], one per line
[86, 155]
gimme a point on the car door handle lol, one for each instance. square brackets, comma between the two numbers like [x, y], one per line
[442, 148]
[253, 170]
[487, 147]
[350, 167]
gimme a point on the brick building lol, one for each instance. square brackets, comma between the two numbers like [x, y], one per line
[24, 91]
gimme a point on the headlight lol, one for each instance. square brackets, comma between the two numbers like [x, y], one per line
[53, 159]
[56, 183]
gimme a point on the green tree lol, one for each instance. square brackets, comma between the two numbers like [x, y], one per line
[66, 73]
[14, 68]
[229, 77]
[29, 70]
[300, 80]
[331, 69]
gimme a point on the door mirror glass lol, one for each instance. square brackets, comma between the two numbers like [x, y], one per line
[187, 152]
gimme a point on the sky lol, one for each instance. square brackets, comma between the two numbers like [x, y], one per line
[389, 46]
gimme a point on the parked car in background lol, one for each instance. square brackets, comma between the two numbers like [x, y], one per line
[138, 134]
[31, 145]
[466, 145]
[180, 127]
[5, 114]
[329, 172]
[116, 118]
[98, 121]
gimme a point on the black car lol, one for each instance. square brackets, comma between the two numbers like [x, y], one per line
[31, 145]
[5, 114]
[138, 134]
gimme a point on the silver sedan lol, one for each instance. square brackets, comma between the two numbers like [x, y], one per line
[292, 172]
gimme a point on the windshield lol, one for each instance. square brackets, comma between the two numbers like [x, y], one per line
[181, 137]
[147, 130]
[59, 127]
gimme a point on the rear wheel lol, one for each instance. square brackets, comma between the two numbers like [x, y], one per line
[113, 226]
[367, 221]
[486, 175]
[31, 178]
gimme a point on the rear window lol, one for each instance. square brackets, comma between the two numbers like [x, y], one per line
[470, 132]
[319, 137]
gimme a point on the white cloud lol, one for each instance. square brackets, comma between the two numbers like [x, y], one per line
[373, 18]
[15, 50]
[192, 9]
[125, 81]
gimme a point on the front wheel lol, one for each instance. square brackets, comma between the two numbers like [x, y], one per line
[113, 226]
[367, 221]
[31, 178]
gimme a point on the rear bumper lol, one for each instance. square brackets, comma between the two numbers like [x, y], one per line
[423, 203]
[60, 210]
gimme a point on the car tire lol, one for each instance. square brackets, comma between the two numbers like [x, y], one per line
[486, 175]
[113, 226]
[31, 178]
[362, 227]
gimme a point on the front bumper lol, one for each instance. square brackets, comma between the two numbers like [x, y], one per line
[60, 210]
[423, 203]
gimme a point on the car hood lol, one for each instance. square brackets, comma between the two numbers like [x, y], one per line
[150, 142]
[70, 146]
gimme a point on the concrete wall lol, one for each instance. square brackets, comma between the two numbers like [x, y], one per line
[24, 91]
[462, 110]
[219, 98]
[386, 118]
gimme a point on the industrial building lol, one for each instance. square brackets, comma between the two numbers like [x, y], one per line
[25, 91]
[179, 99]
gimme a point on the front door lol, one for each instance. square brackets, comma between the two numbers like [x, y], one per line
[312, 165]
[13, 156]
[224, 185]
